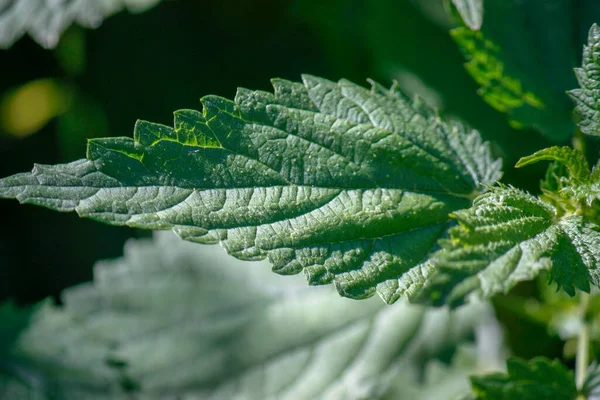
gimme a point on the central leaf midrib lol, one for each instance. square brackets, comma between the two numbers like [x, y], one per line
[124, 185]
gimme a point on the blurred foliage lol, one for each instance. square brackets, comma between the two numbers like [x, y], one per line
[525, 71]
[28, 108]
[539, 378]
[45, 20]
[177, 319]
[471, 11]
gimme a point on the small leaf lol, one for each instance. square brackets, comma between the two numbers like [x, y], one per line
[176, 320]
[508, 237]
[525, 71]
[539, 378]
[586, 97]
[471, 12]
[585, 193]
[45, 20]
[353, 186]
[572, 159]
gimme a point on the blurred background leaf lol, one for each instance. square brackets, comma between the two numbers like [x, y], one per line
[471, 11]
[176, 319]
[28, 108]
[45, 20]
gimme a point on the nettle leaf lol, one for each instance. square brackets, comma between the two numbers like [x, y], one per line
[353, 186]
[569, 184]
[45, 20]
[507, 237]
[175, 320]
[586, 97]
[525, 71]
[539, 378]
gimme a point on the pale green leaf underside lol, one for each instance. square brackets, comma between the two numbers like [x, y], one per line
[353, 186]
[176, 320]
[508, 237]
[586, 97]
[524, 71]
[45, 20]
[539, 378]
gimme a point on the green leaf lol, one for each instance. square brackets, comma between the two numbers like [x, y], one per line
[569, 185]
[175, 320]
[508, 237]
[45, 20]
[471, 11]
[539, 378]
[572, 187]
[586, 97]
[572, 159]
[525, 71]
[353, 186]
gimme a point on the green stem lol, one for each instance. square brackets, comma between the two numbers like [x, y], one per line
[579, 141]
[583, 345]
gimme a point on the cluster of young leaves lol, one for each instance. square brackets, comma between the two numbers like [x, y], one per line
[45, 20]
[176, 320]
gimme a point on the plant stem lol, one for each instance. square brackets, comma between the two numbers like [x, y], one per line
[579, 141]
[583, 345]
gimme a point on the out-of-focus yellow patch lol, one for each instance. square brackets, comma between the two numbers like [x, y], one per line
[28, 108]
